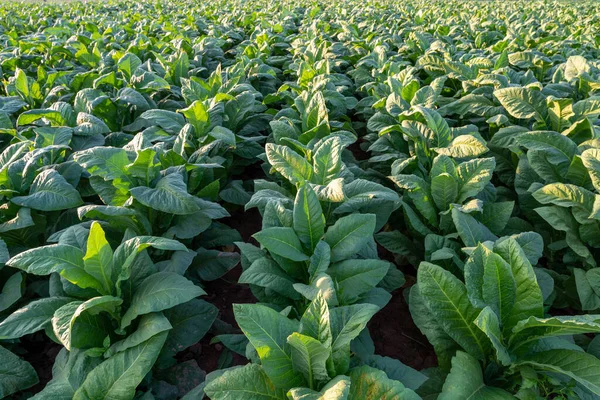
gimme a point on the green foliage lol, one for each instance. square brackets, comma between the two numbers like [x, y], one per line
[308, 358]
[350, 143]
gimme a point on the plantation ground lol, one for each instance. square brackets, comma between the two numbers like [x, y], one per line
[350, 200]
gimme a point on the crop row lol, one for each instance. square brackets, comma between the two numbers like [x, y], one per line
[455, 143]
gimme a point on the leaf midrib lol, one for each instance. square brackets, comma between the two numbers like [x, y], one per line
[459, 313]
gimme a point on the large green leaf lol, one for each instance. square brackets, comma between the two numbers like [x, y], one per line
[315, 321]
[68, 373]
[354, 278]
[309, 221]
[371, 384]
[565, 195]
[282, 241]
[291, 165]
[499, 287]
[444, 190]
[464, 146]
[149, 326]
[170, 195]
[420, 192]
[438, 125]
[78, 325]
[473, 176]
[396, 370]
[443, 344]
[309, 357]
[128, 63]
[50, 191]
[529, 301]
[106, 162]
[446, 298]
[128, 252]
[159, 292]
[549, 141]
[495, 216]
[29, 117]
[266, 273]
[349, 235]
[319, 261]
[15, 374]
[190, 322]
[471, 231]
[327, 159]
[523, 103]
[533, 328]
[31, 318]
[474, 270]
[346, 324]
[168, 120]
[582, 367]
[591, 160]
[465, 381]
[337, 389]
[48, 259]
[12, 290]
[118, 377]
[21, 84]
[249, 382]
[549, 153]
[98, 260]
[587, 107]
[489, 324]
[198, 116]
[268, 331]
[60, 258]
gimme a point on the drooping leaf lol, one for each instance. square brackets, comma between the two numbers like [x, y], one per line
[50, 192]
[523, 102]
[149, 326]
[12, 290]
[31, 318]
[15, 374]
[170, 195]
[465, 381]
[580, 366]
[68, 373]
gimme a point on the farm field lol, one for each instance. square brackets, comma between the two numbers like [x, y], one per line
[303, 200]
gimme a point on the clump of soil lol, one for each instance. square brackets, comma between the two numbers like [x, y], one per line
[395, 335]
[222, 293]
[41, 353]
